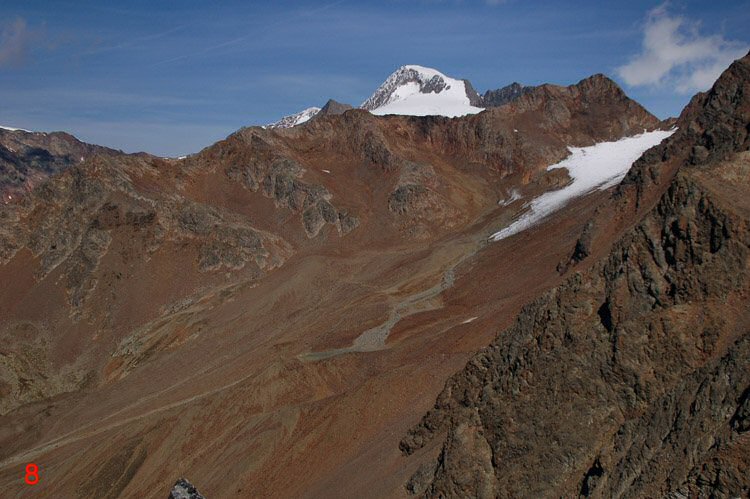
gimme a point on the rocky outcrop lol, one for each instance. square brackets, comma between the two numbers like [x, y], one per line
[711, 127]
[184, 490]
[332, 108]
[630, 379]
[474, 98]
[502, 96]
[224, 240]
[417, 204]
[28, 158]
[69, 224]
[280, 178]
[27, 368]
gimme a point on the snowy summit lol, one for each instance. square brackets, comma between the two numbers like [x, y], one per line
[420, 91]
[410, 90]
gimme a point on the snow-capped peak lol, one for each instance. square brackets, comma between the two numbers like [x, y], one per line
[410, 90]
[295, 119]
[420, 91]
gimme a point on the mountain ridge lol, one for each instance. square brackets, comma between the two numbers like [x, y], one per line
[646, 345]
[28, 158]
[304, 274]
[431, 82]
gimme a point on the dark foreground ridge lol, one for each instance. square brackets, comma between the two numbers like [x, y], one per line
[631, 378]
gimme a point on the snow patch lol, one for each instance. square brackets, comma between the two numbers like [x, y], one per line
[599, 166]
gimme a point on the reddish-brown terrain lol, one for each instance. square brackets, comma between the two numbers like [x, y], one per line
[270, 316]
[631, 378]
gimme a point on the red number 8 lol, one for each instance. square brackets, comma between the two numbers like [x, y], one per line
[32, 474]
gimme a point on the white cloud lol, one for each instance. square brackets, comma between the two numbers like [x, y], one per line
[675, 54]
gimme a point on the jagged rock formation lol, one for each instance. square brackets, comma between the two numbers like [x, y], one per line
[255, 164]
[502, 96]
[184, 490]
[631, 378]
[474, 98]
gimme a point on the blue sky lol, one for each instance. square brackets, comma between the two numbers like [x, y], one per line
[171, 77]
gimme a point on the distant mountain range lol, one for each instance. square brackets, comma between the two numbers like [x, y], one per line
[421, 91]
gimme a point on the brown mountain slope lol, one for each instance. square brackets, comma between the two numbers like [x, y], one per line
[631, 379]
[224, 317]
[29, 158]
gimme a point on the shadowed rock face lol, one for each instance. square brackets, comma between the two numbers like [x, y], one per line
[630, 379]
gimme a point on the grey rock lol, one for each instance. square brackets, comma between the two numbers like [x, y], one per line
[405, 196]
[474, 98]
[332, 108]
[504, 95]
[313, 220]
[347, 223]
[184, 490]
